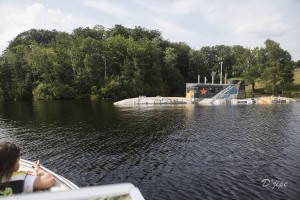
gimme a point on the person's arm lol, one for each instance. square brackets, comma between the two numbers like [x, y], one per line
[44, 179]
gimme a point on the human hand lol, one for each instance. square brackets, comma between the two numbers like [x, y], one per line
[36, 167]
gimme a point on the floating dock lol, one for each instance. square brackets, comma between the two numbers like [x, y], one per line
[247, 101]
[143, 100]
[264, 100]
[211, 94]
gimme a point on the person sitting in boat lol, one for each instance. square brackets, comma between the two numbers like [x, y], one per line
[13, 181]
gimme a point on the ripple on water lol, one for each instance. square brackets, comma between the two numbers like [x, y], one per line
[172, 152]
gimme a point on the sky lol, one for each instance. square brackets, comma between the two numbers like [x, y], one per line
[198, 23]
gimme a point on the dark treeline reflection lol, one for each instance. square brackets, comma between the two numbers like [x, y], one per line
[169, 152]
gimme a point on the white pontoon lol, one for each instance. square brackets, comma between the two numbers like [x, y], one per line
[66, 190]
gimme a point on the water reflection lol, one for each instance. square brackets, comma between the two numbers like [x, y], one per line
[174, 152]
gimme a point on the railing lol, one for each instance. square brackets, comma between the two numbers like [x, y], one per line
[221, 93]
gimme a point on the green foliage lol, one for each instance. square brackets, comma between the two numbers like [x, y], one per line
[297, 64]
[48, 91]
[61, 91]
[34, 36]
[122, 62]
[43, 92]
[22, 90]
[111, 89]
[276, 67]
[6, 81]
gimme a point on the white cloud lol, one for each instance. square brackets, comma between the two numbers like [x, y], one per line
[170, 28]
[38, 16]
[184, 7]
[264, 27]
[198, 22]
[173, 7]
[108, 7]
[16, 20]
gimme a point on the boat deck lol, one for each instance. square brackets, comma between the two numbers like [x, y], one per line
[66, 190]
[61, 184]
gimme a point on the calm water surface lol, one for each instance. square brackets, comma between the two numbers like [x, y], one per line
[168, 152]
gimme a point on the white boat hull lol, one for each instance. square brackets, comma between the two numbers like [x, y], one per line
[66, 190]
[61, 184]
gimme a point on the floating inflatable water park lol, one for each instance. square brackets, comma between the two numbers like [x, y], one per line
[232, 93]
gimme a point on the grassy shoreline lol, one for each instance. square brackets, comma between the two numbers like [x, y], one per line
[292, 91]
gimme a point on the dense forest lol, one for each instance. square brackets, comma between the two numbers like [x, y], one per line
[121, 62]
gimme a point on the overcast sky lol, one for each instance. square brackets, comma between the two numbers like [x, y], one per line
[196, 22]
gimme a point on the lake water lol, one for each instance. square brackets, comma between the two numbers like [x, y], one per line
[168, 152]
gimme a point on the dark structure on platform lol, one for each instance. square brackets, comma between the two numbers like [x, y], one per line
[198, 91]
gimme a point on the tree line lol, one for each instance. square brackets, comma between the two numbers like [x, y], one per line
[127, 62]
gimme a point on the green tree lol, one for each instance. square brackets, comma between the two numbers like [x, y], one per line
[174, 82]
[63, 49]
[43, 62]
[115, 54]
[139, 33]
[152, 63]
[240, 55]
[276, 65]
[119, 30]
[122, 62]
[251, 72]
[6, 80]
[15, 64]
[208, 59]
[182, 58]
